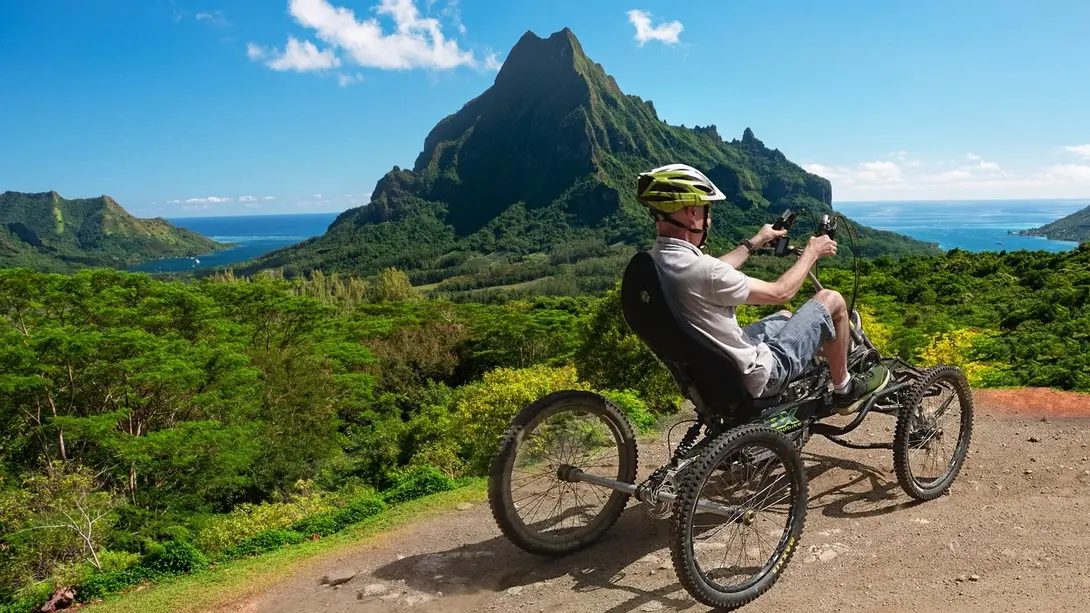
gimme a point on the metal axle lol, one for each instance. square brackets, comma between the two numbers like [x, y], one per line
[575, 475]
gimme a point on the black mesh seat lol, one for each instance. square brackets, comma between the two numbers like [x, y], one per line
[705, 373]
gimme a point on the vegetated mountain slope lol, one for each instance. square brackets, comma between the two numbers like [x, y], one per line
[538, 172]
[46, 232]
[1074, 227]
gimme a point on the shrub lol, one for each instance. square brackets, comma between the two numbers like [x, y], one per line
[246, 520]
[117, 560]
[611, 356]
[359, 510]
[175, 558]
[266, 541]
[485, 408]
[957, 348]
[631, 405]
[101, 584]
[419, 482]
[322, 525]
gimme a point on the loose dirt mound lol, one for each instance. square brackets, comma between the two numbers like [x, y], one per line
[1012, 536]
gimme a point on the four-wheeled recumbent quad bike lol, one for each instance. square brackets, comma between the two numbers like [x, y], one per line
[735, 485]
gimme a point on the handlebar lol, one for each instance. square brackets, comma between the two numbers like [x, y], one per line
[782, 246]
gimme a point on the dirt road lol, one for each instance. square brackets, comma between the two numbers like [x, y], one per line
[1014, 535]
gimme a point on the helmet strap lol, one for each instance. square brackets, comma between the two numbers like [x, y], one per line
[660, 216]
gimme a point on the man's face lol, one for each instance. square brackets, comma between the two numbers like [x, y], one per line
[695, 215]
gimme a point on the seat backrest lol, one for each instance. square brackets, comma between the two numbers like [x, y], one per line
[706, 374]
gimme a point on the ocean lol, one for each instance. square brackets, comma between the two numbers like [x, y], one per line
[970, 225]
[255, 235]
[980, 225]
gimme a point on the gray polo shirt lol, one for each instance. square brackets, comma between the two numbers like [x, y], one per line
[707, 290]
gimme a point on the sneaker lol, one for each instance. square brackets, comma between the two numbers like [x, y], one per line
[860, 388]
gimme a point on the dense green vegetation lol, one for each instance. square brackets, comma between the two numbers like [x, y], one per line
[531, 185]
[49, 233]
[1074, 227]
[198, 422]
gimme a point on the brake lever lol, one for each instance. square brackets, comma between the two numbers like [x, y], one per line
[827, 227]
[782, 246]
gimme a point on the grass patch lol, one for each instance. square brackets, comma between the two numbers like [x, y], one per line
[239, 579]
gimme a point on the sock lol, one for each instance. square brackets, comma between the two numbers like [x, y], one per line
[842, 387]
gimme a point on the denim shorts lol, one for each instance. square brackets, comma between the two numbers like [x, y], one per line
[794, 341]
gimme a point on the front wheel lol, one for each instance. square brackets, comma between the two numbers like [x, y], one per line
[739, 516]
[534, 507]
[934, 427]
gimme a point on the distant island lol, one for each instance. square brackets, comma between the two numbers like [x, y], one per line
[49, 233]
[1075, 227]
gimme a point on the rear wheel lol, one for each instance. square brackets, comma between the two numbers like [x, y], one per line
[934, 427]
[536, 509]
[727, 556]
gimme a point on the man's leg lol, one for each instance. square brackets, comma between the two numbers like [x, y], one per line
[850, 392]
[835, 349]
[767, 327]
[820, 326]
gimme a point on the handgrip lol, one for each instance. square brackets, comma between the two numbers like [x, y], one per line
[785, 220]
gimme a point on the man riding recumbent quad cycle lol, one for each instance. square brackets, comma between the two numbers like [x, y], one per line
[735, 485]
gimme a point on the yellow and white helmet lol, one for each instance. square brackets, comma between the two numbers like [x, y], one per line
[675, 186]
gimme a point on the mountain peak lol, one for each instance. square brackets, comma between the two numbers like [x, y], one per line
[542, 59]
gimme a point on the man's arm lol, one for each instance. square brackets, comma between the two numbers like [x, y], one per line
[782, 290]
[738, 256]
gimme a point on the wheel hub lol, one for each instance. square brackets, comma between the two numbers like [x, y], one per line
[749, 517]
[567, 472]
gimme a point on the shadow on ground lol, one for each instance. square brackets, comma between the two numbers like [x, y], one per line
[496, 565]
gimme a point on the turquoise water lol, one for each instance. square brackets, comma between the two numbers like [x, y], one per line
[254, 235]
[971, 225]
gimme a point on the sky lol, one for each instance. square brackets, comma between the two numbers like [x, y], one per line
[222, 107]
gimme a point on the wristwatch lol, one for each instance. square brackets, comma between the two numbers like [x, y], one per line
[749, 245]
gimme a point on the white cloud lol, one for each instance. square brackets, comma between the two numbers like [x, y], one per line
[302, 57]
[252, 205]
[316, 196]
[822, 170]
[345, 80]
[885, 180]
[1078, 173]
[1082, 151]
[898, 155]
[268, 198]
[667, 33]
[254, 52]
[985, 166]
[878, 172]
[949, 176]
[246, 199]
[215, 18]
[454, 13]
[416, 42]
[213, 199]
[491, 63]
[174, 201]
